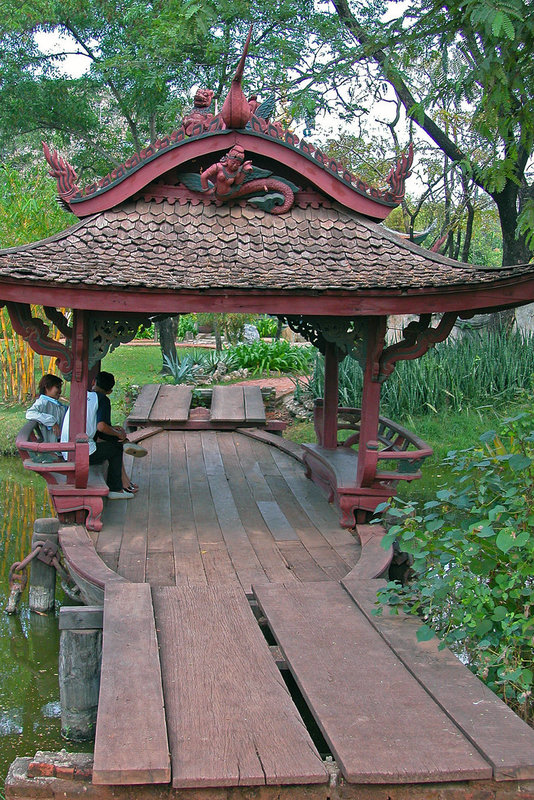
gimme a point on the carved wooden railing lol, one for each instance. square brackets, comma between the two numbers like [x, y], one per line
[68, 481]
[394, 444]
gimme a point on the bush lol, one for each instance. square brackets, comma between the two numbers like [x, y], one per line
[279, 356]
[267, 326]
[186, 324]
[183, 369]
[455, 375]
[145, 333]
[473, 551]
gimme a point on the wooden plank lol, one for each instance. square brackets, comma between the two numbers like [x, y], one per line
[231, 720]
[254, 405]
[276, 521]
[132, 556]
[159, 502]
[380, 723]
[498, 734]
[205, 516]
[260, 537]
[227, 404]
[172, 404]
[241, 552]
[188, 566]
[301, 563]
[80, 618]
[131, 743]
[143, 405]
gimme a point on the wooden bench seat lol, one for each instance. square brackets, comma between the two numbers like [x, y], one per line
[74, 487]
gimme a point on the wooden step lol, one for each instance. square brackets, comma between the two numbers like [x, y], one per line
[228, 404]
[131, 735]
[230, 718]
[380, 723]
[500, 735]
[172, 404]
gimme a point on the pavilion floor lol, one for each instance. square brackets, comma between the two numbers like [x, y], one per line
[221, 508]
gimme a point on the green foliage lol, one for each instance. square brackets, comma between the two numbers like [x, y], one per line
[267, 326]
[186, 324]
[454, 375]
[29, 210]
[473, 552]
[183, 369]
[145, 333]
[278, 356]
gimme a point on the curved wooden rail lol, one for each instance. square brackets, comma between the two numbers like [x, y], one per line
[354, 485]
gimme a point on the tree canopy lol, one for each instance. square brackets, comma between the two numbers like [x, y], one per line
[462, 72]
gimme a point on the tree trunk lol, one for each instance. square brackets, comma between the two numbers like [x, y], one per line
[168, 329]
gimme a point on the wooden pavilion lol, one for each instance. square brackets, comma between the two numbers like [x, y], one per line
[231, 212]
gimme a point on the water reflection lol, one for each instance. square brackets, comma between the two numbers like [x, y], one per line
[29, 642]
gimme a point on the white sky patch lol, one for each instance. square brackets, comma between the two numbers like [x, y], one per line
[73, 63]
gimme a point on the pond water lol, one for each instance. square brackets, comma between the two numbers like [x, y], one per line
[29, 642]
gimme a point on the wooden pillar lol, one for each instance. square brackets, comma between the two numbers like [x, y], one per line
[42, 594]
[80, 657]
[331, 402]
[80, 374]
[371, 389]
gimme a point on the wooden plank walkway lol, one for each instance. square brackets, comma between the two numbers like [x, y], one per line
[217, 507]
[131, 735]
[230, 717]
[380, 723]
[170, 406]
[224, 514]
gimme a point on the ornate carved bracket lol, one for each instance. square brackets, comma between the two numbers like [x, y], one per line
[105, 335]
[418, 337]
[35, 332]
[348, 334]
[59, 320]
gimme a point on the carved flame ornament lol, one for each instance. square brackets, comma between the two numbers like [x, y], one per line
[63, 172]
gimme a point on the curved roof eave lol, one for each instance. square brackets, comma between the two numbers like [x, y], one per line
[325, 173]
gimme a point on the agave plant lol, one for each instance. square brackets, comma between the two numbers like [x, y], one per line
[184, 369]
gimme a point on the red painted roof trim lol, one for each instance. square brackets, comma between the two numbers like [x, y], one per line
[303, 163]
[508, 293]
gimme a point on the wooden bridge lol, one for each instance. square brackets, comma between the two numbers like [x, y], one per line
[240, 648]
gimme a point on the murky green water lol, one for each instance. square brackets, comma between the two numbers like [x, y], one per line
[29, 642]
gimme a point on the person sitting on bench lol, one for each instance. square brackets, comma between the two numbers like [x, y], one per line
[47, 410]
[106, 442]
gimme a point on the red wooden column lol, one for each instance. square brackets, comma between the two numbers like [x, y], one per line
[331, 402]
[371, 389]
[80, 373]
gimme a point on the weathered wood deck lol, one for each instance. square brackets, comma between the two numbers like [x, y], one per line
[226, 550]
[225, 509]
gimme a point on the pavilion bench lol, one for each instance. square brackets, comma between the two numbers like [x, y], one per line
[351, 485]
[74, 487]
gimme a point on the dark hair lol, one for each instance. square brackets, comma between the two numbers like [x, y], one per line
[105, 381]
[48, 381]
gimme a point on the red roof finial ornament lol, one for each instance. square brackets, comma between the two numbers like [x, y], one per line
[398, 175]
[236, 111]
[63, 172]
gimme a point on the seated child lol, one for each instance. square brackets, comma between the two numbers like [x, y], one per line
[47, 409]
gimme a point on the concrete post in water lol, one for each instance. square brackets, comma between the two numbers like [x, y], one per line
[43, 576]
[80, 655]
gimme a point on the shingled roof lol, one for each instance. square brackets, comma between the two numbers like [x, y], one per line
[165, 246]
